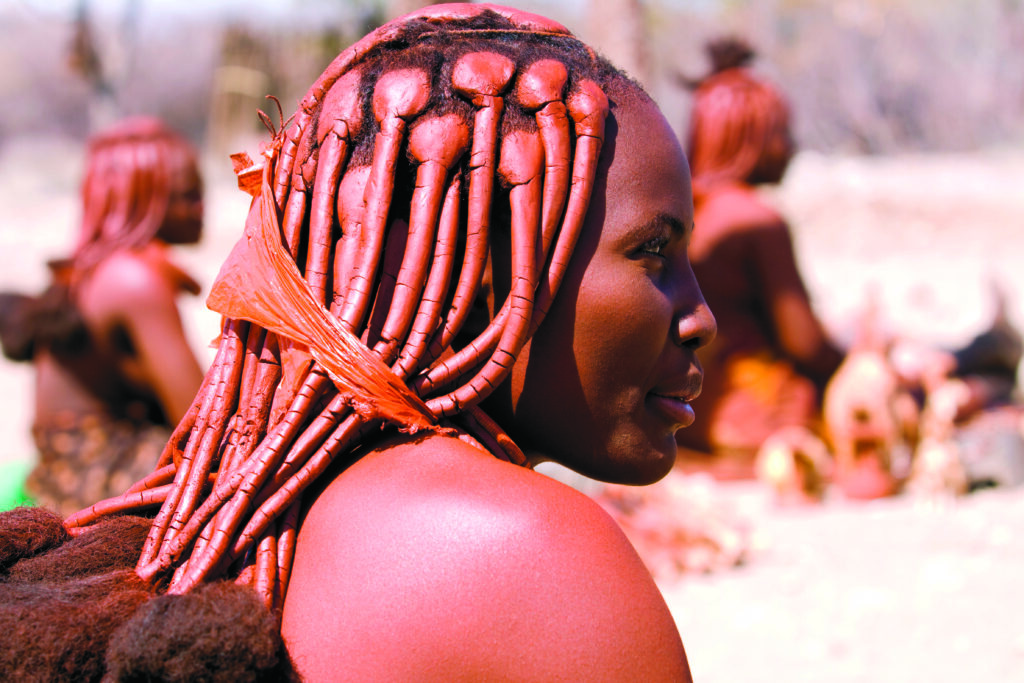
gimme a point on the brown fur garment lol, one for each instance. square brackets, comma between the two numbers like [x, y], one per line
[61, 598]
[59, 631]
[109, 546]
[218, 632]
[26, 532]
[73, 609]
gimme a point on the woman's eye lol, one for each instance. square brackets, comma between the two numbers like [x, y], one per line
[655, 246]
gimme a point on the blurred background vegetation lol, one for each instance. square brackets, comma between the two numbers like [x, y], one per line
[864, 76]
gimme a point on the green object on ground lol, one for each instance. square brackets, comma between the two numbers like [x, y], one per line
[12, 485]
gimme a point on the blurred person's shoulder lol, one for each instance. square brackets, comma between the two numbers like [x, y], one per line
[136, 279]
[736, 208]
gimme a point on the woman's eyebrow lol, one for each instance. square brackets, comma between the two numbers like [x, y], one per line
[676, 226]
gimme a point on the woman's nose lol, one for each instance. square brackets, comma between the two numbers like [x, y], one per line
[696, 328]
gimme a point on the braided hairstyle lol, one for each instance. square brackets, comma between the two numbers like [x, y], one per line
[737, 122]
[347, 300]
[130, 177]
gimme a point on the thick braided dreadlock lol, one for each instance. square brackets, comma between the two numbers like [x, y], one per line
[346, 302]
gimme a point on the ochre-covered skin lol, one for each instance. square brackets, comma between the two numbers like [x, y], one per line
[539, 585]
[772, 356]
[520, 277]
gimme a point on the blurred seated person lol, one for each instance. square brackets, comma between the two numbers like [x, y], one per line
[113, 368]
[768, 366]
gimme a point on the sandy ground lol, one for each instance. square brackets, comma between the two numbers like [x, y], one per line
[929, 236]
[890, 591]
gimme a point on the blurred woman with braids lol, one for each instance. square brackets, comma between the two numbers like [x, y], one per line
[466, 254]
[772, 357]
[114, 371]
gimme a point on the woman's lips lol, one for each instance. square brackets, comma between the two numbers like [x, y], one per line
[672, 398]
[676, 408]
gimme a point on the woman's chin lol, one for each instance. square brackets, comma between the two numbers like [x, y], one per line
[655, 469]
[635, 471]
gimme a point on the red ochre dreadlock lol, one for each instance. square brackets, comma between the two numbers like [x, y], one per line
[363, 254]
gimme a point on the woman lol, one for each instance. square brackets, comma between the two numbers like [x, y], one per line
[469, 192]
[772, 357]
[113, 367]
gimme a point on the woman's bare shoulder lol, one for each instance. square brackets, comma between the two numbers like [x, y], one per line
[127, 280]
[444, 559]
[740, 208]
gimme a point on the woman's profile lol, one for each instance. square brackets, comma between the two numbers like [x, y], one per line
[466, 254]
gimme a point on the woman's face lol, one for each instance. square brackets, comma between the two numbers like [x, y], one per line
[183, 223]
[604, 384]
[776, 154]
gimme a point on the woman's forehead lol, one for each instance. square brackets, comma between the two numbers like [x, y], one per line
[643, 179]
[644, 154]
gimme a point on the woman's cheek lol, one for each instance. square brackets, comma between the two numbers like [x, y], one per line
[624, 327]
